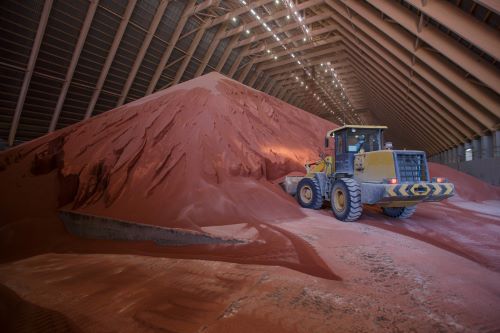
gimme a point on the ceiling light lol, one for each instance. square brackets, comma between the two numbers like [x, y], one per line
[275, 57]
[288, 17]
[268, 51]
[304, 39]
[234, 19]
[252, 11]
[277, 2]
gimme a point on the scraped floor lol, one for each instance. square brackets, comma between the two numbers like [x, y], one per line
[413, 276]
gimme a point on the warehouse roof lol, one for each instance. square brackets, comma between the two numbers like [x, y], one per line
[428, 69]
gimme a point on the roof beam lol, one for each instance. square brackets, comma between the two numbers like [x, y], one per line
[492, 5]
[210, 51]
[461, 23]
[44, 17]
[237, 12]
[190, 52]
[110, 57]
[311, 45]
[296, 38]
[237, 62]
[398, 81]
[393, 120]
[244, 73]
[390, 61]
[74, 61]
[438, 81]
[388, 104]
[285, 28]
[204, 5]
[388, 33]
[269, 18]
[274, 64]
[339, 61]
[227, 52]
[160, 11]
[172, 42]
[443, 43]
[412, 112]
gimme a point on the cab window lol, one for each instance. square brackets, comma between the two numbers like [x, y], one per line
[365, 139]
[340, 144]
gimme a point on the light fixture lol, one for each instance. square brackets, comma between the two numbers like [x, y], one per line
[275, 57]
[247, 32]
[288, 17]
[268, 51]
[234, 19]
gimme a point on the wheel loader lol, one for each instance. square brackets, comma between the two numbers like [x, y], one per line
[361, 171]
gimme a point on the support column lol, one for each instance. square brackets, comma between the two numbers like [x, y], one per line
[454, 155]
[486, 147]
[476, 149]
[496, 149]
[461, 153]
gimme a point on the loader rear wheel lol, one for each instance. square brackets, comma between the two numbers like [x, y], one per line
[399, 212]
[346, 200]
[309, 193]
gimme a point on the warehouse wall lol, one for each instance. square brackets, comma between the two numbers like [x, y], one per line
[479, 158]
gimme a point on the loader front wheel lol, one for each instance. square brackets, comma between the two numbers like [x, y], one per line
[346, 200]
[399, 212]
[309, 193]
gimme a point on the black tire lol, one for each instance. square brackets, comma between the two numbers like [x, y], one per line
[346, 200]
[399, 212]
[309, 193]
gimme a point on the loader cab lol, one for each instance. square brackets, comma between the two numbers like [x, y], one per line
[350, 140]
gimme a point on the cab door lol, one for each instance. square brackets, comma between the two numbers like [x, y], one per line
[342, 160]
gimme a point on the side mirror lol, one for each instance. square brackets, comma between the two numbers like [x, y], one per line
[326, 142]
